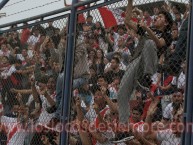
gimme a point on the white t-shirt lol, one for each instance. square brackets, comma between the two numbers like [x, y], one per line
[168, 111]
[168, 138]
[44, 117]
[15, 134]
[181, 81]
[33, 40]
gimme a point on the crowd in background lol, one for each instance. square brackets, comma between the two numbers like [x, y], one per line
[30, 64]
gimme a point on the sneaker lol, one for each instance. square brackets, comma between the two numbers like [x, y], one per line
[122, 137]
[145, 82]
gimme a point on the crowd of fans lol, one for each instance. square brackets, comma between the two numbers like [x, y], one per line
[30, 65]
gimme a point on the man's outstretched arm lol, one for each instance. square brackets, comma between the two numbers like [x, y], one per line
[128, 21]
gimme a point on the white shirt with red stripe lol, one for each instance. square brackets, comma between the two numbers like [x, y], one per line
[106, 132]
[44, 117]
[15, 134]
[8, 72]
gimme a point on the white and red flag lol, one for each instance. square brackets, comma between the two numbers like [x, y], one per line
[112, 16]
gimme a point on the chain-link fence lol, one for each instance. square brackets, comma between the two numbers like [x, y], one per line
[29, 66]
[129, 73]
[128, 78]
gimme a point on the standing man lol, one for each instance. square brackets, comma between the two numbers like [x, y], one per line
[152, 43]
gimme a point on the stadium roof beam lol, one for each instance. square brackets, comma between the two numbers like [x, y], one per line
[3, 3]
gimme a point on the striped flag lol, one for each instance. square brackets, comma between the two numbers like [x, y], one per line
[112, 17]
[81, 18]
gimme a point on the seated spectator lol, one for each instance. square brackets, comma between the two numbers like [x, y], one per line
[4, 50]
[50, 30]
[177, 100]
[168, 136]
[89, 21]
[56, 37]
[121, 33]
[15, 41]
[101, 82]
[33, 39]
[99, 61]
[10, 78]
[93, 76]
[99, 113]
[175, 10]
[99, 33]
[91, 57]
[114, 70]
[178, 19]
[122, 66]
[25, 57]
[113, 88]
[85, 95]
[121, 48]
[180, 81]
[136, 115]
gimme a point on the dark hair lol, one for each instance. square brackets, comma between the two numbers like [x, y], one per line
[102, 54]
[178, 90]
[18, 61]
[57, 29]
[99, 23]
[89, 16]
[102, 76]
[43, 79]
[94, 67]
[121, 27]
[138, 109]
[117, 53]
[177, 7]
[97, 88]
[169, 19]
[116, 59]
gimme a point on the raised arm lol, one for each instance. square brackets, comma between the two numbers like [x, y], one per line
[84, 134]
[128, 21]
[159, 42]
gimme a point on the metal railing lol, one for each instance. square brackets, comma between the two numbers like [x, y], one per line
[68, 16]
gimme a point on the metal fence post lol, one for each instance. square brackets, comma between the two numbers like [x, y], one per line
[68, 72]
[188, 118]
[3, 3]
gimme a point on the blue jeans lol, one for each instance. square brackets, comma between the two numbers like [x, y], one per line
[60, 87]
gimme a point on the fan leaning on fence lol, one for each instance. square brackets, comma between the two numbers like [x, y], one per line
[152, 43]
